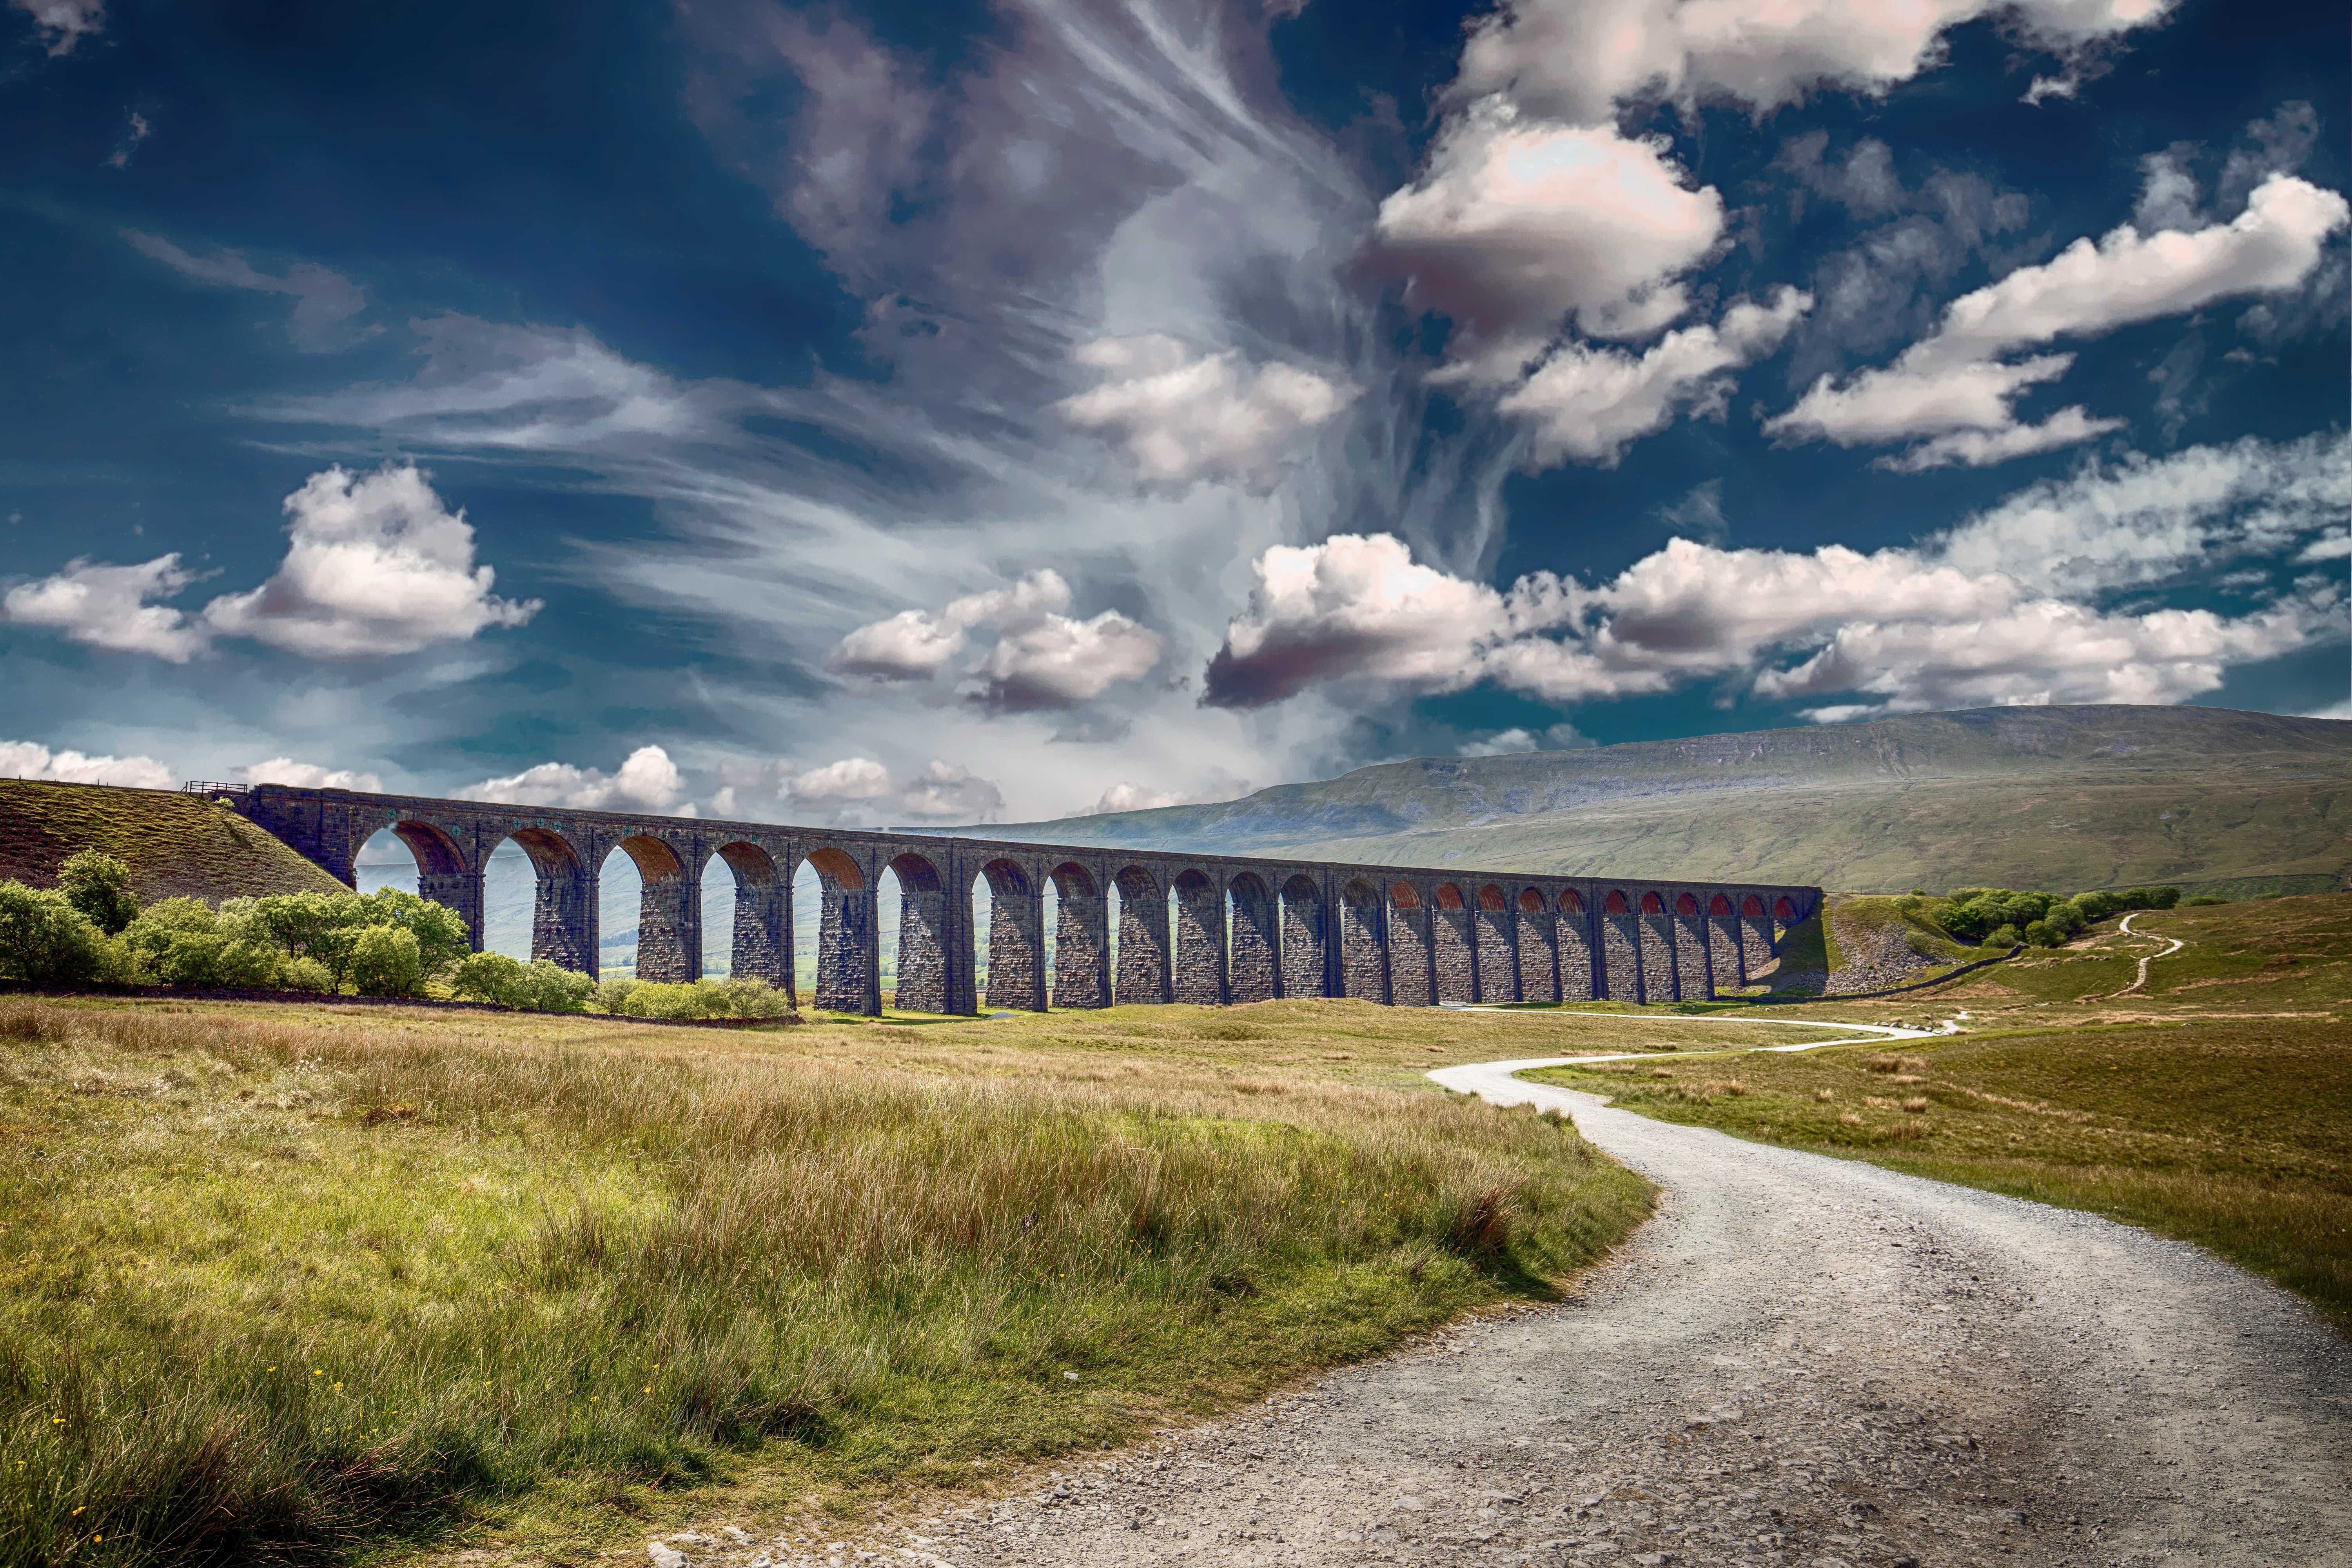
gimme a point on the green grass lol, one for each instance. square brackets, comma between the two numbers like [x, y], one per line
[2215, 1107]
[175, 845]
[286, 1283]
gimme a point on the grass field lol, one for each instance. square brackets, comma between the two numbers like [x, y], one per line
[280, 1282]
[2215, 1106]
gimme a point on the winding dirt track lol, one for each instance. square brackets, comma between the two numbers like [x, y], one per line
[1800, 1361]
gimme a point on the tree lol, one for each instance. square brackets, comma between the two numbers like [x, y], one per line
[387, 961]
[99, 886]
[45, 940]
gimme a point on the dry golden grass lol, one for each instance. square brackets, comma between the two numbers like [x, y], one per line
[281, 1281]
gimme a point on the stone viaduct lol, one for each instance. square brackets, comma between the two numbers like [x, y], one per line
[1191, 928]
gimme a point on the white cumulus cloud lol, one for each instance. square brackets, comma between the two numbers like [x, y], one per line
[1589, 403]
[1580, 58]
[2011, 607]
[31, 760]
[1041, 659]
[1955, 387]
[107, 607]
[1184, 414]
[648, 781]
[377, 564]
[1519, 222]
[309, 775]
[862, 788]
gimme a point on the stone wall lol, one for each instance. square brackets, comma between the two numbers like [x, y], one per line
[1404, 935]
[1250, 972]
[1200, 941]
[1142, 938]
[1304, 927]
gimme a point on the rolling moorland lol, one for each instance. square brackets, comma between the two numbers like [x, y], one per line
[2212, 800]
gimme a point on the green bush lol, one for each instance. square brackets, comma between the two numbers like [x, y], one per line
[45, 940]
[330, 928]
[1980, 914]
[387, 961]
[543, 986]
[99, 885]
[2005, 937]
[305, 975]
[185, 942]
[748, 997]
[613, 995]
[742, 997]
[653, 999]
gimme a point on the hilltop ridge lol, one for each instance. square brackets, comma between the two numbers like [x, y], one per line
[2079, 796]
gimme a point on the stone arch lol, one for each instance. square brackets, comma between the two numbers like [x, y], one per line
[1017, 936]
[1571, 902]
[1411, 983]
[1490, 897]
[670, 925]
[1784, 910]
[1686, 905]
[563, 897]
[1615, 903]
[1143, 948]
[444, 873]
[1305, 929]
[1653, 905]
[1453, 945]
[924, 932]
[1251, 949]
[1081, 938]
[760, 944]
[1718, 905]
[1363, 963]
[848, 944]
[1197, 908]
[1752, 906]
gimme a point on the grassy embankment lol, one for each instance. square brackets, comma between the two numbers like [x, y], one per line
[175, 845]
[282, 1281]
[2215, 1107]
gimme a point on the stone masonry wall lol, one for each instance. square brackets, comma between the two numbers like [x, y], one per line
[1723, 947]
[1691, 962]
[1081, 955]
[758, 948]
[1304, 928]
[1574, 935]
[1539, 959]
[922, 951]
[844, 931]
[669, 948]
[1409, 974]
[1199, 976]
[1456, 939]
[1658, 958]
[1250, 972]
[1142, 940]
[1499, 965]
[1364, 965]
[1016, 950]
[1621, 956]
[1755, 943]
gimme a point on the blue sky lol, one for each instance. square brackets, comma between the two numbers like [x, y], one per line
[945, 413]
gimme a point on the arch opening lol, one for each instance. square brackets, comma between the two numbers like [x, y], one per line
[1532, 901]
[1651, 904]
[1752, 906]
[1402, 897]
[1785, 911]
[1719, 905]
[1571, 902]
[1449, 896]
[1686, 905]
[1615, 903]
[837, 919]
[663, 932]
[539, 901]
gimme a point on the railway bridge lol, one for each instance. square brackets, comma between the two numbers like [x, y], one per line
[1188, 928]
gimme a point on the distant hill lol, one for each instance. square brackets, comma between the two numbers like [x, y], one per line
[2059, 797]
[175, 845]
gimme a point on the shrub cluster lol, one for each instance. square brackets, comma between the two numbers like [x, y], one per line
[740, 997]
[2000, 917]
[543, 986]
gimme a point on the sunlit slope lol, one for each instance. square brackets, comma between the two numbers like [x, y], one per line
[174, 844]
[2059, 797]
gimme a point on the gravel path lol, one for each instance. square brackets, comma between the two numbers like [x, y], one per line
[1800, 1361]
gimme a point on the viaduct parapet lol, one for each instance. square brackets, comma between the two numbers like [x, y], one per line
[1191, 928]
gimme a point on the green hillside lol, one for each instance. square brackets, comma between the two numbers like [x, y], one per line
[174, 844]
[2058, 797]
